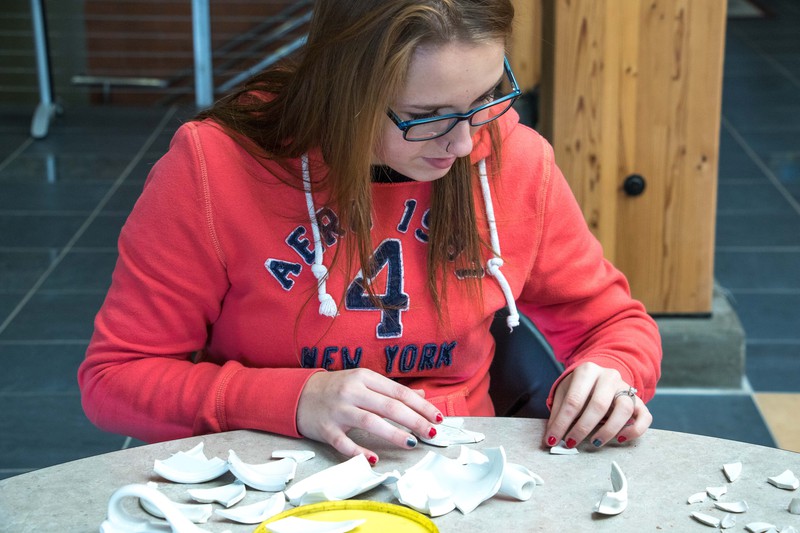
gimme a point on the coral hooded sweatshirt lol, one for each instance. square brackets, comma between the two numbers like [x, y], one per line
[212, 320]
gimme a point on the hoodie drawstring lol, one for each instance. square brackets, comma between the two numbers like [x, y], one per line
[327, 306]
[494, 264]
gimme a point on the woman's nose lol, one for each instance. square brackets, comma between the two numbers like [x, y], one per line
[460, 139]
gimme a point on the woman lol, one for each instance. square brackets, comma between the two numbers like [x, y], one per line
[321, 251]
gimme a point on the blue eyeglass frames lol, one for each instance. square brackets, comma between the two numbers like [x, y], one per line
[425, 129]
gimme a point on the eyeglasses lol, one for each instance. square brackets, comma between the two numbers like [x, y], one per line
[425, 129]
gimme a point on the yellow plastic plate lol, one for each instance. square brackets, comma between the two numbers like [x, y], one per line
[381, 517]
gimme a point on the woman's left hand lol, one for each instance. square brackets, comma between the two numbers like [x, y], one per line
[587, 403]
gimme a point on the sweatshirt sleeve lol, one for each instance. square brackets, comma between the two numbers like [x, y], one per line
[142, 375]
[579, 301]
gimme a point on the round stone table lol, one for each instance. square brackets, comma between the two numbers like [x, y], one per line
[663, 469]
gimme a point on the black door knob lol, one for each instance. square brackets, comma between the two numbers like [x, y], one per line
[634, 185]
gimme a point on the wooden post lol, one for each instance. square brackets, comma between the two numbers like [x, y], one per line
[633, 88]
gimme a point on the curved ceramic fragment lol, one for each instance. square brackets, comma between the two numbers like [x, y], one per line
[255, 513]
[119, 521]
[697, 497]
[561, 449]
[190, 467]
[788, 529]
[732, 507]
[451, 431]
[270, 477]
[518, 482]
[706, 519]
[794, 506]
[420, 490]
[787, 480]
[293, 524]
[338, 482]
[732, 471]
[716, 492]
[301, 456]
[227, 495]
[759, 527]
[613, 503]
[196, 513]
[728, 521]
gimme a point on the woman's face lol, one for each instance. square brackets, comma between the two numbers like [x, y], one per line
[451, 78]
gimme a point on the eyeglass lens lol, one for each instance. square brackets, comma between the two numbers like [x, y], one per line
[437, 128]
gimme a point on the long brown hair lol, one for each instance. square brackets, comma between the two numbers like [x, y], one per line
[334, 98]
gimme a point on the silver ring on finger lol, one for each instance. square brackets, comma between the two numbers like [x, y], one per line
[630, 392]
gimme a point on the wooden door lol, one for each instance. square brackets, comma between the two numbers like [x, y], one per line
[633, 88]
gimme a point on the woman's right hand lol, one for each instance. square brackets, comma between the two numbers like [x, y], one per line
[333, 403]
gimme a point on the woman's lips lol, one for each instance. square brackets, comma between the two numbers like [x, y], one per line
[441, 163]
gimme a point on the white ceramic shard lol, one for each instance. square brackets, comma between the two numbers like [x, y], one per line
[732, 471]
[301, 456]
[787, 480]
[728, 521]
[119, 521]
[788, 529]
[270, 477]
[339, 482]
[190, 467]
[436, 483]
[716, 492]
[697, 497]
[759, 527]
[561, 449]
[794, 506]
[451, 431]
[614, 502]
[732, 507]
[518, 482]
[706, 519]
[196, 513]
[293, 524]
[255, 513]
[227, 495]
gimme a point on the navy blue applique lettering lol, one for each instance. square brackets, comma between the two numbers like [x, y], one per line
[308, 358]
[426, 357]
[422, 234]
[445, 354]
[388, 255]
[300, 245]
[281, 270]
[408, 212]
[347, 361]
[408, 358]
[327, 357]
[328, 223]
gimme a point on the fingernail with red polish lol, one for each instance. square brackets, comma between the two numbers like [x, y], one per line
[621, 439]
[571, 442]
[552, 441]
[372, 460]
[432, 433]
[439, 418]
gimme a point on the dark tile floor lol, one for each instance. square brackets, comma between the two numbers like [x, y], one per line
[63, 200]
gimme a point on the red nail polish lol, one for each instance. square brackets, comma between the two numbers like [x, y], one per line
[571, 442]
[432, 433]
[551, 441]
[621, 439]
[439, 418]
[372, 460]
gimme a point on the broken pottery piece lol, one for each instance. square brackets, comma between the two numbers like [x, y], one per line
[451, 431]
[196, 513]
[706, 519]
[697, 497]
[787, 480]
[518, 482]
[716, 492]
[255, 513]
[227, 495]
[561, 449]
[436, 484]
[788, 529]
[732, 471]
[732, 507]
[794, 506]
[301, 456]
[190, 467]
[613, 503]
[338, 482]
[728, 521]
[759, 527]
[119, 521]
[270, 477]
[293, 524]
